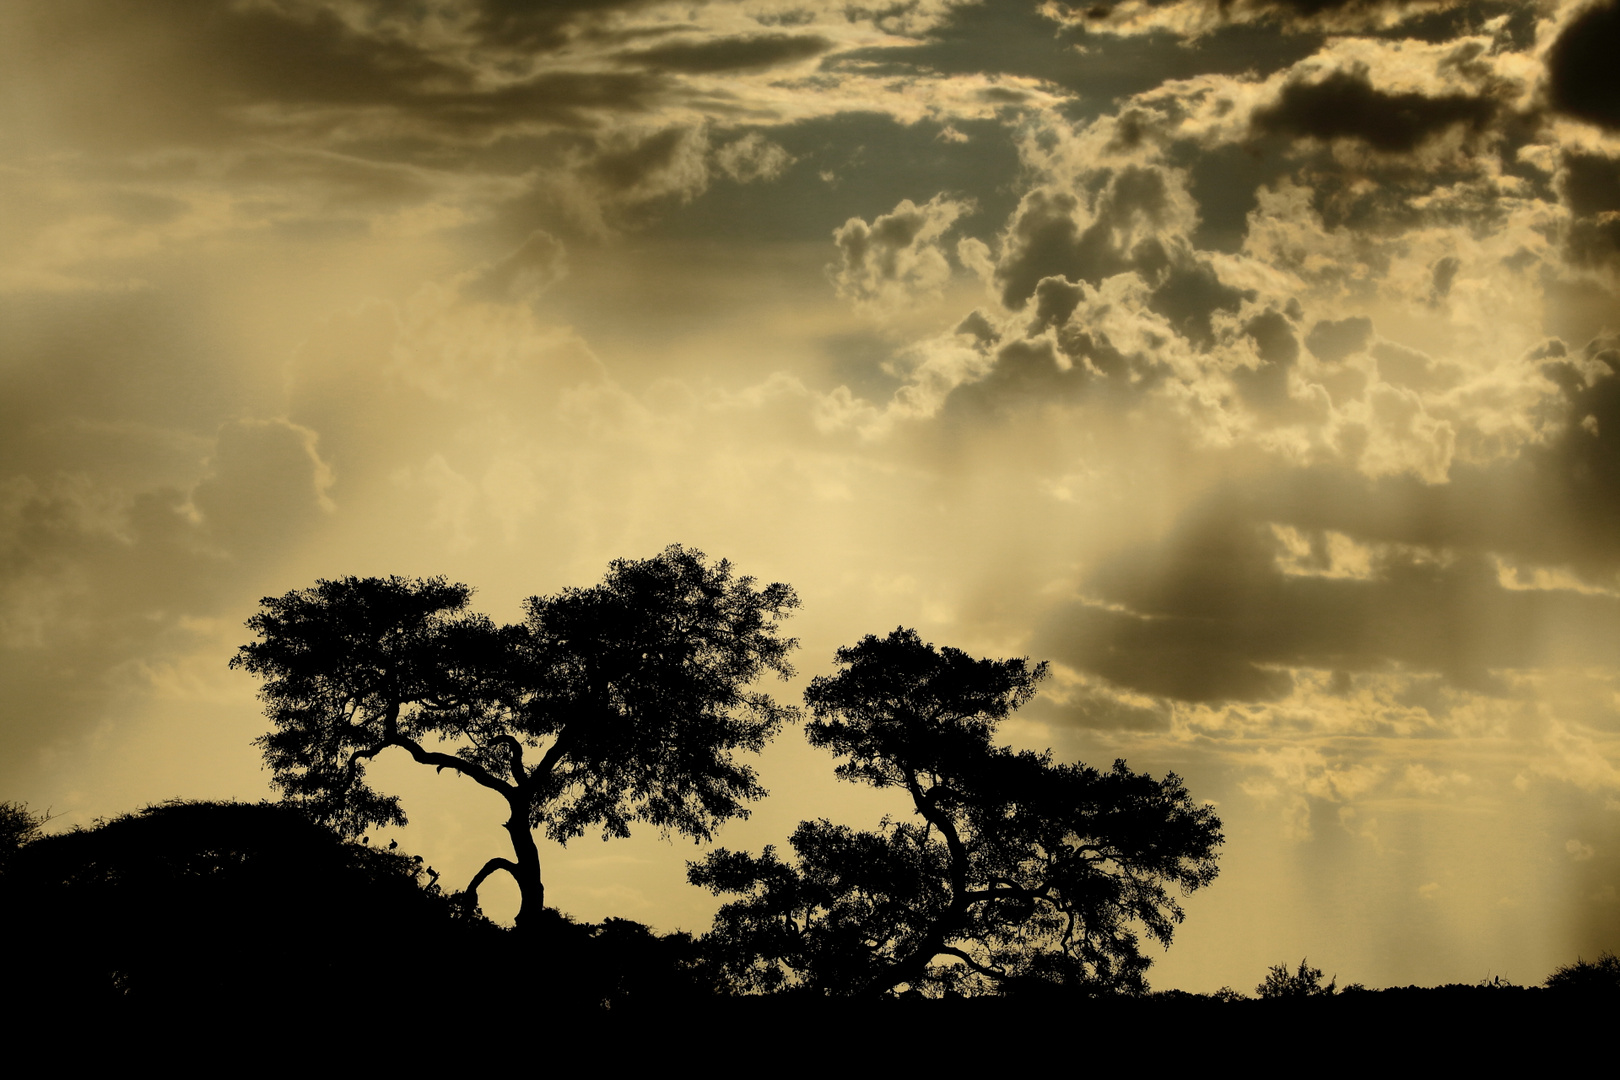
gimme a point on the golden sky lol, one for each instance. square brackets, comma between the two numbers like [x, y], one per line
[1254, 362]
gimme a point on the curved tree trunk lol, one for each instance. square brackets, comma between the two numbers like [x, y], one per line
[526, 872]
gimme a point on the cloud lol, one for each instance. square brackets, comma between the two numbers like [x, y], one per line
[1196, 18]
[524, 275]
[898, 259]
[1332, 341]
[1131, 218]
[1215, 613]
[752, 157]
[99, 586]
[1346, 105]
[1590, 184]
[719, 55]
[1580, 66]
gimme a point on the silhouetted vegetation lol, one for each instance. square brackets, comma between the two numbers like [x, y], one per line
[18, 825]
[1015, 876]
[237, 926]
[619, 703]
[186, 901]
[1306, 982]
[1591, 977]
[1020, 875]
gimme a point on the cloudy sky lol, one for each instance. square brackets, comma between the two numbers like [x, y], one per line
[1252, 361]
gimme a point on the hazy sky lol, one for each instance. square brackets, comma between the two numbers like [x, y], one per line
[1252, 361]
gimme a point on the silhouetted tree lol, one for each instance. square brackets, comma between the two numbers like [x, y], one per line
[1017, 873]
[619, 703]
[1306, 982]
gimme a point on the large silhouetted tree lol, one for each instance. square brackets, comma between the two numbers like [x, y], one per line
[619, 703]
[1016, 872]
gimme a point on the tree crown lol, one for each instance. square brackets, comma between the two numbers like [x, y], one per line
[1019, 872]
[901, 710]
[633, 692]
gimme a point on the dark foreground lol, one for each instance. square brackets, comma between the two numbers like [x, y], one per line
[245, 936]
[429, 1026]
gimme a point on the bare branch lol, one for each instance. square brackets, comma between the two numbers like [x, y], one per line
[470, 893]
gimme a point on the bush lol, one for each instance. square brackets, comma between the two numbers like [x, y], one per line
[1600, 976]
[1304, 983]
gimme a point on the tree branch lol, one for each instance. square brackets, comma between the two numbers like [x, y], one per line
[549, 761]
[516, 764]
[952, 950]
[470, 893]
[426, 757]
[947, 829]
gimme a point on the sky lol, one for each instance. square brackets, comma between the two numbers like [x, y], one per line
[1253, 362]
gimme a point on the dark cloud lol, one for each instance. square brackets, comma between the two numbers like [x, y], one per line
[1590, 183]
[1188, 295]
[1073, 364]
[1055, 300]
[1346, 105]
[566, 98]
[747, 53]
[1274, 338]
[634, 166]
[522, 25]
[128, 73]
[1093, 710]
[98, 589]
[1224, 606]
[1046, 241]
[1332, 341]
[1590, 186]
[855, 164]
[1580, 67]
[1225, 181]
[79, 602]
[1554, 504]
[1211, 614]
[1442, 274]
[1584, 462]
[1046, 237]
[1595, 241]
[1265, 388]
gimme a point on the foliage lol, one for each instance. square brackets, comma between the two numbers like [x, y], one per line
[1600, 976]
[1017, 874]
[18, 826]
[1306, 982]
[619, 703]
[615, 963]
[189, 900]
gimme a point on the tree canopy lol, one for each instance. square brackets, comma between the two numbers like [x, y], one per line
[1015, 872]
[620, 703]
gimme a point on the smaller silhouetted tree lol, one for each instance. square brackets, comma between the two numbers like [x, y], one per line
[1016, 873]
[1304, 983]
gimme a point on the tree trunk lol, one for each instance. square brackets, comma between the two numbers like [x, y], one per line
[531, 890]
